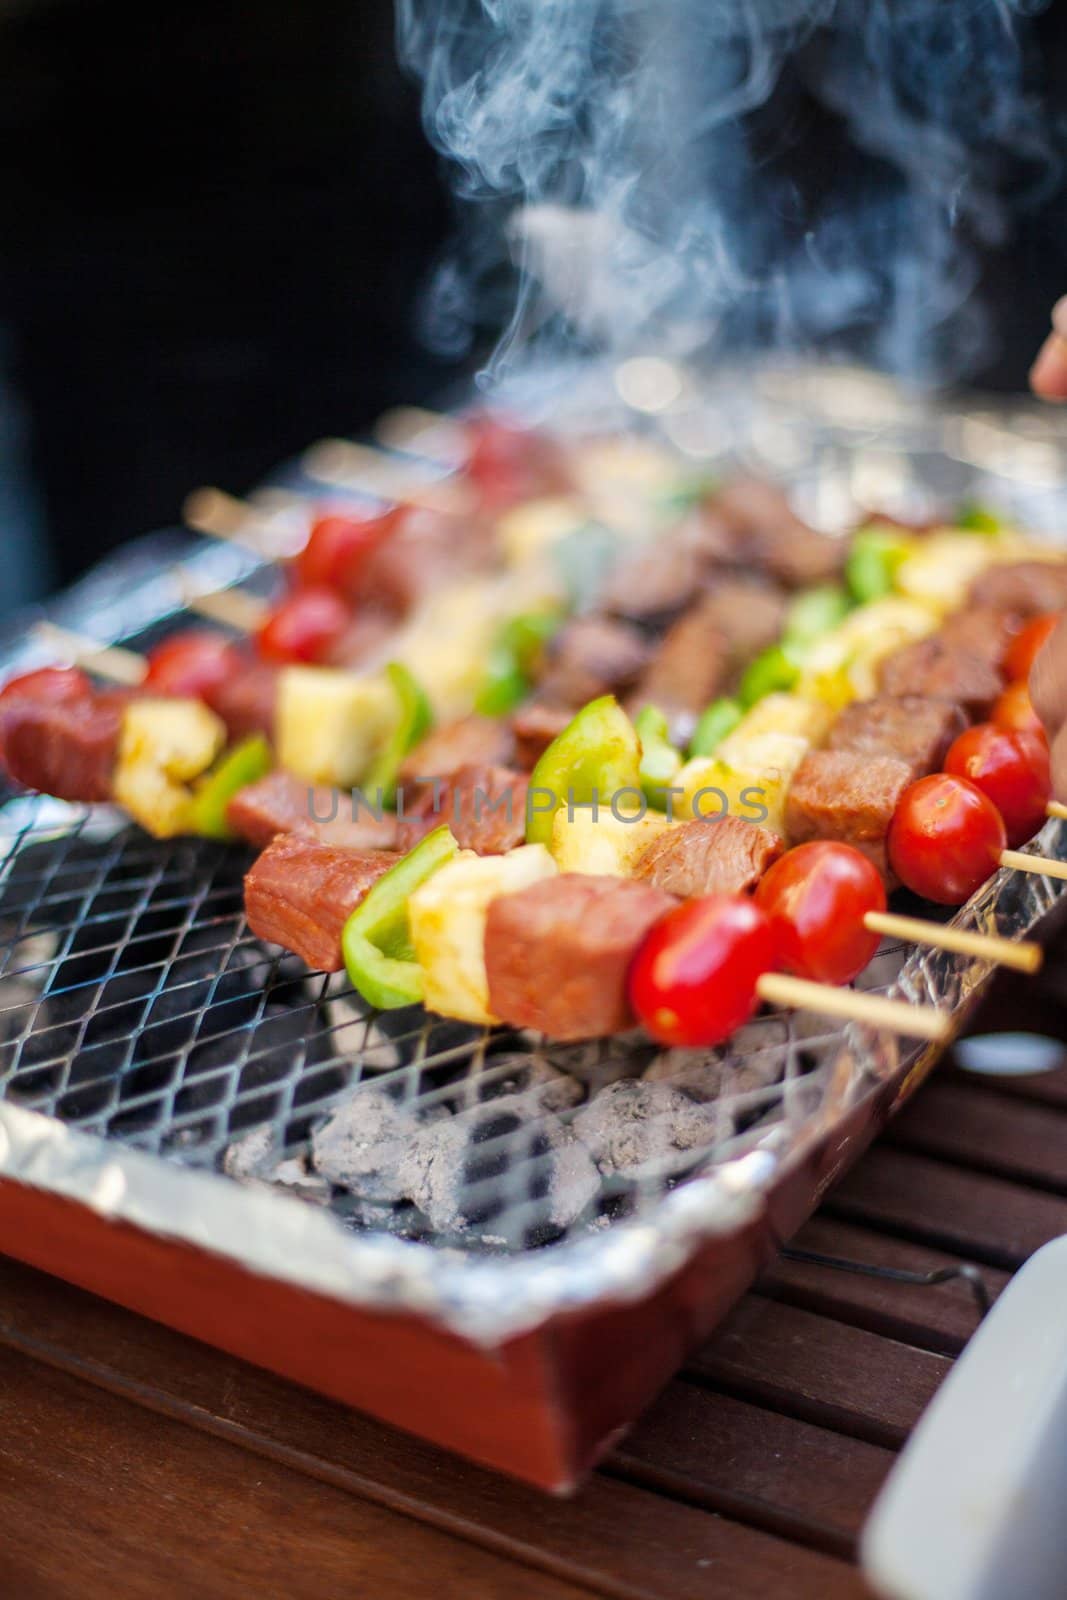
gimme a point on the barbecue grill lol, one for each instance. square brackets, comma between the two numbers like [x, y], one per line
[178, 1099]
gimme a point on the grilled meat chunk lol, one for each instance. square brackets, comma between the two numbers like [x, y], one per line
[557, 953]
[726, 856]
[246, 701]
[64, 748]
[300, 894]
[848, 795]
[426, 549]
[534, 727]
[767, 533]
[981, 631]
[748, 613]
[687, 671]
[657, 583]
[592, 656]
[1026, 587]
[938, 671]
[468, 741]
[485, 807]
[280, 803]
[910, 728]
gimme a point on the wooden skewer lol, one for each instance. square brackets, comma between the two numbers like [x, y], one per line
[110, 661]
[432, 434]
[1023, 955]
[1057, 809]
[234, 608]
[266, 528]
[899, 1016]
[1021, 861]
[357, 466]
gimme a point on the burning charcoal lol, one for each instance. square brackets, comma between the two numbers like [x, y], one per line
[597, 1062]
[254, 1159]
[297, 1177]
[706, 1074]
[363, 1143]
[472, 1170]
[631, 1125]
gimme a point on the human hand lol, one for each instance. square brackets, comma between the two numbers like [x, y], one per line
[1048, 375]
[1048, 691]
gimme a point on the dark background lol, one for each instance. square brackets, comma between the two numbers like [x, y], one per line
[217, 219]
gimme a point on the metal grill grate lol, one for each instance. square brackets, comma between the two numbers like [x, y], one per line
[135, 1004]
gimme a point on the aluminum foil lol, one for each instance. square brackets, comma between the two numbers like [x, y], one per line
[842, 440]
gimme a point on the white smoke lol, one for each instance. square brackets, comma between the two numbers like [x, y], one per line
[709, 176]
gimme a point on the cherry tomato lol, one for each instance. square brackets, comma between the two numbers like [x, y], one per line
[337, 548]
[502, 460]
[1014, 709]
[815, 898]
[48, 684]
[306, 626]
[1024, 647]
[945, 838]
[693, 979]
[193, 663]
[1011, 769]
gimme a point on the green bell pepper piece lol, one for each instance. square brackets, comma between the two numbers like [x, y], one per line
[660, 761]
[415, 720]
[814, 613]
[873, 559]
[513, 658]
[774, 669]
[245, 763]
[596, 756]
[376, 940]
[976, 518]
[713, 724]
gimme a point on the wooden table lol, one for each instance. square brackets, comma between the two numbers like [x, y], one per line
[134, 1461]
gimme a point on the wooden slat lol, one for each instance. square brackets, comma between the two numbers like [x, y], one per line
[804, 1482]
[966, 1124]
[1044, 1088]
[940, 1318]
[99, 1497]
[615, 1539]
[984, 1218]
[825, 1372]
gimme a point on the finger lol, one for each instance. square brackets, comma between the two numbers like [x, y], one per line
[1048, 375]
[1048, 679]
[1059, 765]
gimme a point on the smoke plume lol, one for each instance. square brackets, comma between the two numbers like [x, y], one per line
[703, 177]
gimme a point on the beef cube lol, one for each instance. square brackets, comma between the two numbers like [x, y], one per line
[687, 671]
[281, 803]
[658, 582]
[300, 894]
[1026, 587]
[911, 728]
[557, 954]
[768, 534]
[930, 668]
[592, 656]
[748, 613]
[64, 748]
[245, 701]
[484, 806]
[467, 741]
[725, 856]
[981, 631]
[534, 727]
[843, 794]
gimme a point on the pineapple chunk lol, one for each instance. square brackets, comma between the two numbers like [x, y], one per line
[447, 916]
[604, 843]
[753, 786]
[843, 666]
[777, 713]
[944, 566]
[330, 724]
[528, 531]
[163, 746]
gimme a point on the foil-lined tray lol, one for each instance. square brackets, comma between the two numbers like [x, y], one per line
[162, 1068]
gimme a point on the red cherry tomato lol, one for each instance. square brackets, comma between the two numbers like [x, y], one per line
[306, 626]
[1024, 647]
[815, 898]
[502, 460]
[693, 979]
[1014, 709]
[337, 549]
[1011, 769]
[193, 663]
[48, 684]
[945, 838]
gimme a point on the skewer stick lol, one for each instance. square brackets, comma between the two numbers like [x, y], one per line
[358, 467]
[234, 608]
[1021, 861]
[260, 528]
[914, 1022]
[1023, 955]
[1057, 809]
[427, 433]
[110, 661]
